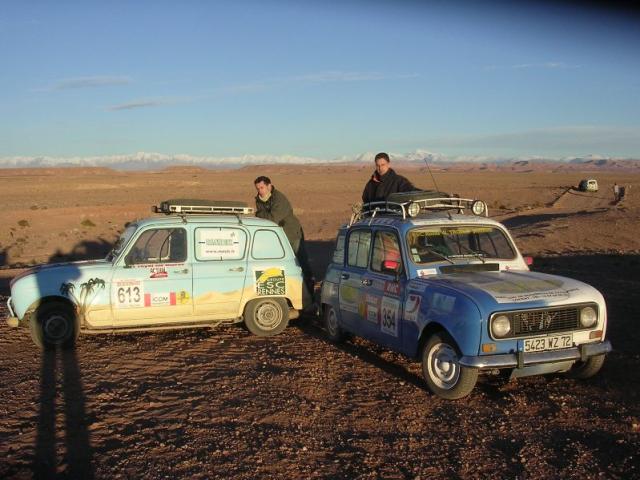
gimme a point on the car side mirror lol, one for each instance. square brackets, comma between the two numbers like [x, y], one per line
[128, 260]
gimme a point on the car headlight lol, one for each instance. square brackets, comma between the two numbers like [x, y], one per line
[413, 209]
[478, 207]
[500, 326]
[588, 317]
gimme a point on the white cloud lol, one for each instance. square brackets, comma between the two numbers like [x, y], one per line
[135, 104]
[524, 66]
[87, 82]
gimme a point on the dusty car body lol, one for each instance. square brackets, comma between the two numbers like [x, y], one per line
[452, 290]
[193, 266]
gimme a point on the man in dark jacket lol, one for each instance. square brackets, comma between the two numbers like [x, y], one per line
[273, 205]
[384, 181]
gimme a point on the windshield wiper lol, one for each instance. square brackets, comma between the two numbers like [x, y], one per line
[461, 246]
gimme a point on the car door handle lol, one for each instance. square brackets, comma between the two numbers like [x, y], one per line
[237, 269]
[366, 282]
[344, 276]
[184, 270]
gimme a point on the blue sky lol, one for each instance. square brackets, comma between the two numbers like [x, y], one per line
[317, 79]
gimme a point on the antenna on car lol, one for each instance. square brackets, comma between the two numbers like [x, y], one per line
[426, 162]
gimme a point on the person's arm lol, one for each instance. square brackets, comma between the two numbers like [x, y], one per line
[261, 210]
[366, 193]
[406, 185]
[280, 208]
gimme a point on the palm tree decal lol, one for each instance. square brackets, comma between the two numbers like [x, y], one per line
[86, 289]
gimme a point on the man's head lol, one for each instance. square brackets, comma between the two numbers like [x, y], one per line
[382, 163]
[263, 185]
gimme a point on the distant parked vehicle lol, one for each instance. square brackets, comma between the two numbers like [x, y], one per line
[588, 185]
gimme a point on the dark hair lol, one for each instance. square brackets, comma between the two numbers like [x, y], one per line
[262, 178]
[382, 155]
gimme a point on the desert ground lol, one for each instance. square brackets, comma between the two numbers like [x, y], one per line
[225, 404]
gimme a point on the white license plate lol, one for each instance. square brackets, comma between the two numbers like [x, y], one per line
[555, 342]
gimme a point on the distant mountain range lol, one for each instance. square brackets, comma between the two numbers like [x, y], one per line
[158, 161]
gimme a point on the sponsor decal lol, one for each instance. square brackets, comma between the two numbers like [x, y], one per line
[349, 298]
[270, 281]
[425, 272]
[218, 244]
[159, 271]
[418, 287]
[392, 288]
[128, 293]
[183, 297]
[412, 307]
[552, 295]
[159, 299]
[373, 309]
[389, 308]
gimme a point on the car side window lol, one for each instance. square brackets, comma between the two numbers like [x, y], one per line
[358, 249]
[266, 245]
[220, 243]
[161, 245]
[338, 252]
[386, 246]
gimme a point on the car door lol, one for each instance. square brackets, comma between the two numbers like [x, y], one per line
[152, 281]
[350, 292]
[385, 285]
[219, 270]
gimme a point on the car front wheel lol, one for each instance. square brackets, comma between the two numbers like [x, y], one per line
[588, 369]
[442, 371]
[266, 317]
[54, 325]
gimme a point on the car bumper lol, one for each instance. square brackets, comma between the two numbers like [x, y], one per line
[521, 359]
[12, 320]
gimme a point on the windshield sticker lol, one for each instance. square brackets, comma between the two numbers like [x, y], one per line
[128, 293]
[389, 309]
[159, 299]
[443, 303]
[412, 308]
[271, 281]
[349, 298]
[425, 272]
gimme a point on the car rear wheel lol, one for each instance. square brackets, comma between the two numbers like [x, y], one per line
[334, 332]
[588, 369]
[266, 317]
[54, 325]
[442, 371]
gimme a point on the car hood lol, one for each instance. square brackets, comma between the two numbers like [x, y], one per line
[64, 269]
[518, 289]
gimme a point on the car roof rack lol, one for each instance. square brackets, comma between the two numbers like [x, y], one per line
[182, 206]
[412, 204]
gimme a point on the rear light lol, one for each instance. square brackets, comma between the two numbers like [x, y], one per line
[528, 260]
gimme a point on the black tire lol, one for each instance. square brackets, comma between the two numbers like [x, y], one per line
[266, 317]
[442, 371]
[588, 369]
[334, 332]
[54, 324]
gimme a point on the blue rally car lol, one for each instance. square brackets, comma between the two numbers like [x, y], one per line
[198, 264]
[421, 277]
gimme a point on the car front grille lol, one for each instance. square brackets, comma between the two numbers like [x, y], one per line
[545, 320]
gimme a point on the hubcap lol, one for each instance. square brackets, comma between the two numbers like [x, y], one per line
[332, 323]
[56, 328]
[268, 316]
[444, 369]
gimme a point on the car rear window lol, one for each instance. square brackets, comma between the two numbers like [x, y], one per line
[266, 245]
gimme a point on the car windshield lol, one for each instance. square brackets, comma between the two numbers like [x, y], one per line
[448, 243]
[121, 242]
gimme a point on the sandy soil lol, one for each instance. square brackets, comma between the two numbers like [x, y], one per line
[225, 404]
